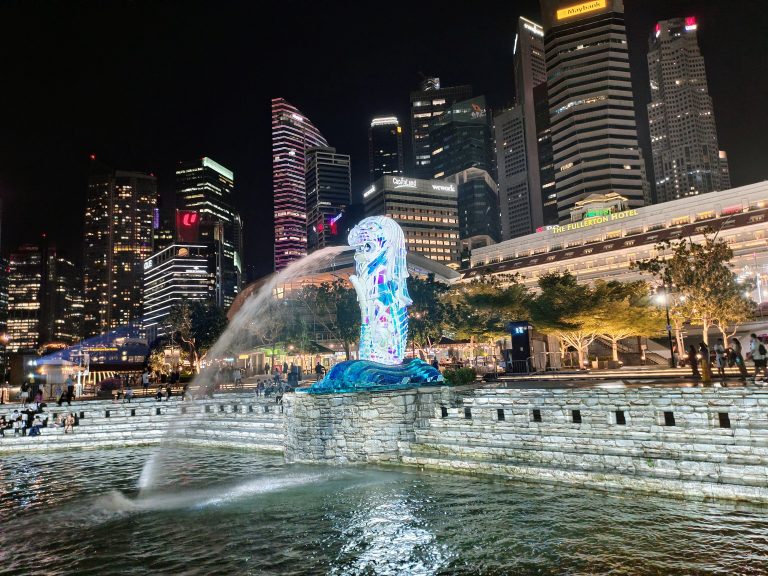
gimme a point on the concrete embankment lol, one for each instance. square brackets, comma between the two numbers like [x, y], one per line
[701, 442]
[230, 421]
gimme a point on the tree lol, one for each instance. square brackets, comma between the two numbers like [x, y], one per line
[428, 315]
[333, 305]
[700, 272]
[566, 310]
[196, 324]
[482, 309]
[625, 310]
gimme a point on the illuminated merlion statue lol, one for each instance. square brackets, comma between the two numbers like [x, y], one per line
[382, 293]
[381, 289]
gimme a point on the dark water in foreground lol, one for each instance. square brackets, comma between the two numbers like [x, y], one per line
[234, 513]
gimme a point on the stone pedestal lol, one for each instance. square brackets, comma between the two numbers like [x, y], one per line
[355, 427]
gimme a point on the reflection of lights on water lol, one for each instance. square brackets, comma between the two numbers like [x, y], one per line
[389, 538]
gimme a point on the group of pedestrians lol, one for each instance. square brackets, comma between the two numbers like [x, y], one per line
[32, 418]
[701, 363]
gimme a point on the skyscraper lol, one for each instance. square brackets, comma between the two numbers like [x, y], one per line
[427, 104]
[594, 132]
[181, 271]
[292, 134]
[44, 298]
[4, 271]
[118, 238]
[205, 187]
[527, 195]
[478, 204]
[686, 156]
[385, 147]
[460, 138]
[329, 194]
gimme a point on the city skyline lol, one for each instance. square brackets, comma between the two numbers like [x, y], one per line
[48, 141]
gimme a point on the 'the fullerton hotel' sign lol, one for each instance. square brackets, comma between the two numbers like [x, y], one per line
[592, 221]
[579, 9]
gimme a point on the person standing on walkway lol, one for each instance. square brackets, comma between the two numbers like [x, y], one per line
[759, 356]
[706, 366]
[70, 390]
[693, 362]
[721, 359]
[145, 381]
[738, 358]
[128, 393]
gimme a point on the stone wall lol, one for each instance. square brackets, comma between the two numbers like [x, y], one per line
[683, 441]
[364, 427]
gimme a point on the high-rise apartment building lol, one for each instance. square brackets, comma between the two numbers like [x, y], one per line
[205, 187]
[44, 298]
[329, 194]
[527, 195]
[686, 157]
[385, 147]
[118, 238]
[426, 210]
[428, 104]
[592, 116]
[292, 135]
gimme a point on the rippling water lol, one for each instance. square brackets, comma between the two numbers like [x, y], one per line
[221, 512]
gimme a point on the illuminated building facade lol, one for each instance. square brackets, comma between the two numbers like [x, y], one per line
[527, 194]
[181, 271]
[686, 157]
[460, 138]
[427, 105]
[205, 187]
[292, 135]
[44, 299]
[385, 147]
[4, 271]
[591, 103]
[329, 194]
[118, 238]
[611, 235]
[426, 210]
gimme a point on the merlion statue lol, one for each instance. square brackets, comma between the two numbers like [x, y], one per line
[382, 292]
[381, 289]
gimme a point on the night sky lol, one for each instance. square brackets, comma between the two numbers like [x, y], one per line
[145, 84]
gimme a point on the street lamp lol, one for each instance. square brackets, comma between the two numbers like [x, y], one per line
[663, 297]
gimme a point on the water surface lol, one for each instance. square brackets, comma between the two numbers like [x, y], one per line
[223, 512]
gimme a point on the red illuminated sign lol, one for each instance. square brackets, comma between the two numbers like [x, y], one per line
[187, 226]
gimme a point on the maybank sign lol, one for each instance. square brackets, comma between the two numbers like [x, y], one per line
[579, 9]
[587, 222]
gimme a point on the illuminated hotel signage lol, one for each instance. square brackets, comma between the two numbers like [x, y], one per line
[579, 9]
[593, 221]
[403, 182]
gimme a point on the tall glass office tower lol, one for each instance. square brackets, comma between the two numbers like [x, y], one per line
[292, 135]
